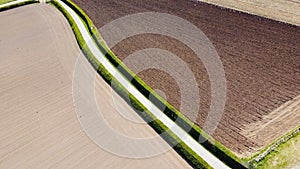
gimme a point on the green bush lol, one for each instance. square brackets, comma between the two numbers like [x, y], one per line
[217, 149]
[191, 157]
[5, 1]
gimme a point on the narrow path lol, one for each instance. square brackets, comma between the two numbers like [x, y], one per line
[39, 127]
[12, 3]
[188, 140]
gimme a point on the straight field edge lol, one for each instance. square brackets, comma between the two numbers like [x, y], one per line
[215, 147]
[261, 157]
[262, 16]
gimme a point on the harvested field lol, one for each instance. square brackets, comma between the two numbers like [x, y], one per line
[260, 56]
[281, 10]
[38, 125]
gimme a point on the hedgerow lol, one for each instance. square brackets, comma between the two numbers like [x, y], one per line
[196, 132]
[190, 156]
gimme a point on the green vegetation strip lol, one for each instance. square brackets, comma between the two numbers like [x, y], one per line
[181, 148]
[195, 131]
[18, 5]
[263, 157]
[5, 1]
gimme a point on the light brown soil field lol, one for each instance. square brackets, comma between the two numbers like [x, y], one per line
[281, 10]
[260, 56]
[38, 124]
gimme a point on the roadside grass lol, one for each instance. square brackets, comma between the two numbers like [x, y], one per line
[5, 1]
[190, 156]
[283, 156]
[271, 156]
[17, 5]
[286, 155]
[216, 148]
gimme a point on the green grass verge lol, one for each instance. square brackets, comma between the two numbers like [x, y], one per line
[190, 156]
[217, 148]
[286, 155]
[5, 1]
[17, 5]
[196, 132]
[280, 153]
[213, 146]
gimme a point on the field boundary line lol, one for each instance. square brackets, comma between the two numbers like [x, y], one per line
[270, 10]
[215, 147]
[178, 131]
[261, 155]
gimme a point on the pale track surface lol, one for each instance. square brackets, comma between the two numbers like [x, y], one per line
[260, 58]
[38, 123]
[281, 10]
[157, 113]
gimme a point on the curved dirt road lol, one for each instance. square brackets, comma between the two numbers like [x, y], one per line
[38, 123]
[260, 58]
[172, 126]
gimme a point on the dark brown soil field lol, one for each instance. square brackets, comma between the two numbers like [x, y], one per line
[261, 59]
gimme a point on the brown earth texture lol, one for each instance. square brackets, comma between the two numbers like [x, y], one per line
[39, 124]
[261, 59]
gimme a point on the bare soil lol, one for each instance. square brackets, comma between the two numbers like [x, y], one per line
[261, 58]
[38, 123]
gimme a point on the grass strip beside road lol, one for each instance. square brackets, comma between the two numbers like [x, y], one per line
[281, 153]
[5, 1]
[14, 5]
[190, 156]
[216, 148]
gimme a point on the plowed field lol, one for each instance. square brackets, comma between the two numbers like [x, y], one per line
[39, 127]
[261, 58]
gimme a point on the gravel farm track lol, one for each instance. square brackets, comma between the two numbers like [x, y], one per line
[261, 58]
[39, 127]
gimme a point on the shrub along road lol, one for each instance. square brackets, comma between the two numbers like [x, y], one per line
[194, 145]
[260, 57]
[38, 123]
[10, 3]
